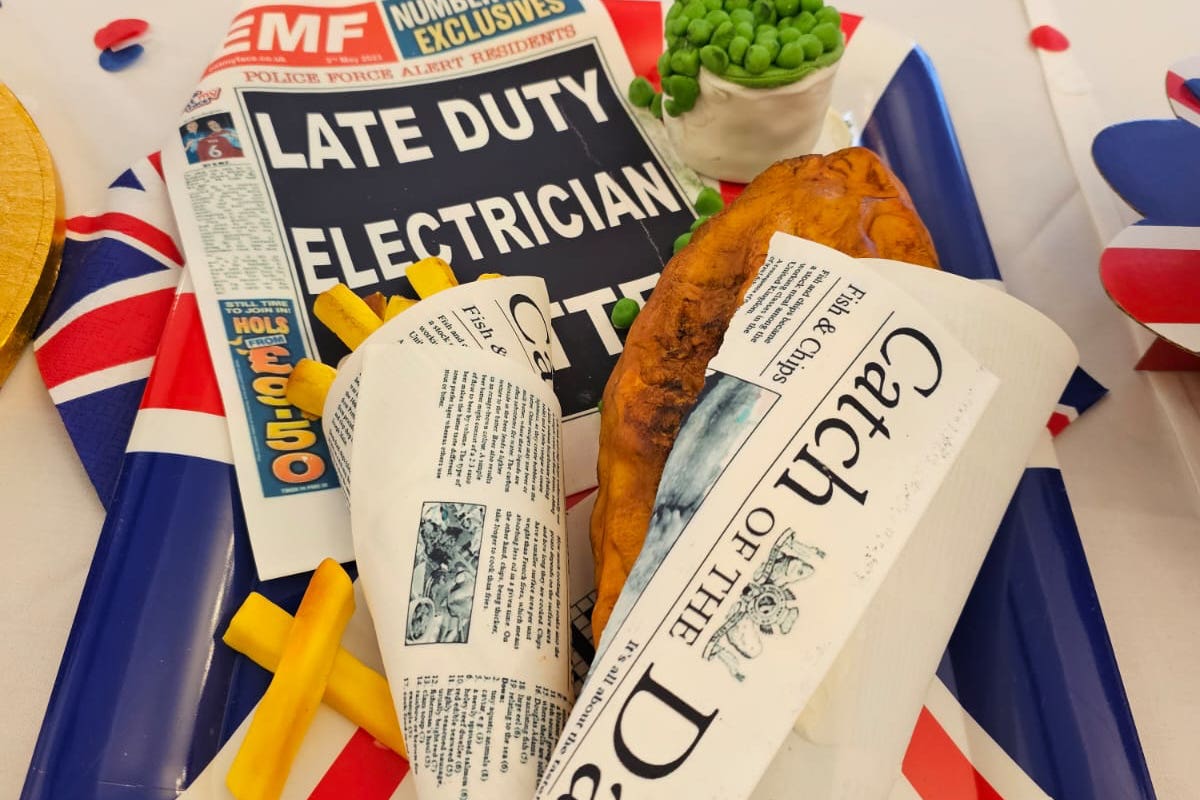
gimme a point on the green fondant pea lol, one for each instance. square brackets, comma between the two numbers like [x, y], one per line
[812, 46]
[641, 93]
[716, 18]
[699, 31]
[758, 58]
[764, 12]
[714, 59]
[738, 48]
[786, 8]
[829, 14]
[742, 15]
[708, 202]
[684, 90]
[664, 64]
[685, 62]
[623, 313]
[722, 36]
[829, 36]
[791, 55]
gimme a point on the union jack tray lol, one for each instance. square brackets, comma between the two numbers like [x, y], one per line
[1027, 702]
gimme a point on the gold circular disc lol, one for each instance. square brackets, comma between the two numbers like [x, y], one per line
[32, 229]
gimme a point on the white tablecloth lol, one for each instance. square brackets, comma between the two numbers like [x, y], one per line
[1132, 465]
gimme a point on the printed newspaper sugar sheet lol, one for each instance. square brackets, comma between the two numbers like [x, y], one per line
[832, 412]
[460, 530]
[446, 425]
[337, 142]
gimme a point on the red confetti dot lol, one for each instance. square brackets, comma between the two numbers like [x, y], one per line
[118, 31]
[1048, 37]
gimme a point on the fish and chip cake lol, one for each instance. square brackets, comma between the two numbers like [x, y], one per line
[848, 200]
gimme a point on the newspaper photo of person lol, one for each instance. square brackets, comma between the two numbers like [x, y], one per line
[445, 568]
[191, 135]
[210, 138]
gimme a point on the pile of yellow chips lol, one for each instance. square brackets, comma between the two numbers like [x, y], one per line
[352, 319]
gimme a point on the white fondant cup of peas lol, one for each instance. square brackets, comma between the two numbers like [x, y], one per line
[745, 82]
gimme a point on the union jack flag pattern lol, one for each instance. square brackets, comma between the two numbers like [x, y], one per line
[97, 340]
[1081, 393]
[1007, 716]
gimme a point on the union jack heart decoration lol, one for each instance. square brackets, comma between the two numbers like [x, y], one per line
[1151, 270]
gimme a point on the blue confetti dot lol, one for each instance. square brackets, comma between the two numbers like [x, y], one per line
[117, 60]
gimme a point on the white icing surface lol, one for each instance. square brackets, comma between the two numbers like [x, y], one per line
[735, 132]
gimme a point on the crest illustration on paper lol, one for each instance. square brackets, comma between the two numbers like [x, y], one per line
[767, 606]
